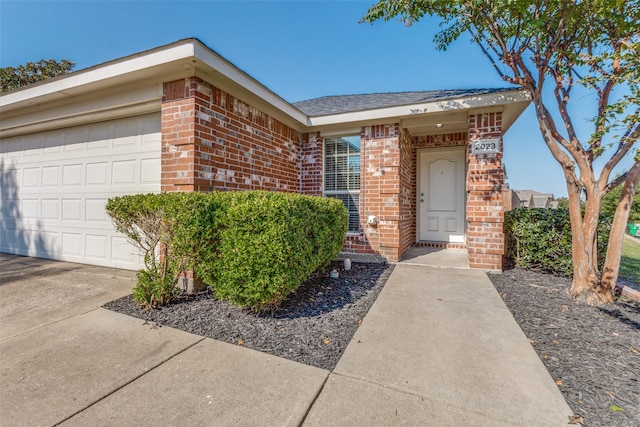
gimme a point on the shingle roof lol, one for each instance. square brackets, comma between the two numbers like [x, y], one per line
[526, 194]
[327, 105]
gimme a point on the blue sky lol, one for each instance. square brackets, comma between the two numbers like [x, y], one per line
[298, 49]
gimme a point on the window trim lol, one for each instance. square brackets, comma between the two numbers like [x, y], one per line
[357, 192]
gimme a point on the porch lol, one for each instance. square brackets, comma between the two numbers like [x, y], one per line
[424, 184]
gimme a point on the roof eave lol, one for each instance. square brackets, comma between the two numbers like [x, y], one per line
[179, 59]
[475, 102]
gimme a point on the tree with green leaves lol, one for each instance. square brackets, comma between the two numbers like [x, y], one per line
[32, 72]
[610, 203]
[549, 48]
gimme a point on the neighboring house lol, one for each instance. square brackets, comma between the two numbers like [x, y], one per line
[533, 199]
[411, 168]
[510, 199]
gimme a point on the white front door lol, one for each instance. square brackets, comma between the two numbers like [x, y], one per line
[441, 195]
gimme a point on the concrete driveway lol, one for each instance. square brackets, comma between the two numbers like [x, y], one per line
[64, 360]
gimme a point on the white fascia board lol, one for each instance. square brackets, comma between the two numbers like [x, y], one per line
[233, 73]
[191, 49]
[146, 107]
[99, 73]
[417, 110]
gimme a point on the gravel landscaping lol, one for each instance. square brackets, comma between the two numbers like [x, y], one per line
[313, 326]
[592, 352]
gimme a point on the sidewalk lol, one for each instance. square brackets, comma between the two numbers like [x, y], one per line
[440, 348]
[437, 348]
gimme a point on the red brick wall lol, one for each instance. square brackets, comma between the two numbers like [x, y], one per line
[407, 195]
[178, 138]
[311, 164]
[380, 188]
[485, 209]
[214, 141]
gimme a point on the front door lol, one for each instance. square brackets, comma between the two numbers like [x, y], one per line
[441, 195]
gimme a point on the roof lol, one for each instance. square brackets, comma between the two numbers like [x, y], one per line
[539, 201]
[525, 195]
[351, 103]
[134, 85]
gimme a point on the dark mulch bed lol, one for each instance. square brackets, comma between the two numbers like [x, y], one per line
[313, 326]
[593, 352]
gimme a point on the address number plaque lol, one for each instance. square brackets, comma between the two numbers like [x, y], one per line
[485, 146]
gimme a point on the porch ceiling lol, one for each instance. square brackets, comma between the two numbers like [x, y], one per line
[430, 124]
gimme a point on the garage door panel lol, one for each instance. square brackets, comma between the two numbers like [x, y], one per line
[122, 251]
[30, 209]
[71, 210]
[56, 186]
[150, 171]
[126, 134]
[72, 175]
[46, 243]
[95, 210]
[96, 246]
[72, 148]
[96, 173]
[123, 172]
[51, 176]
[99, 138]
[72, 244]
[50, 209]
[31, 177]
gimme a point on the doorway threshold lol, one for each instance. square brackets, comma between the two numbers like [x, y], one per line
[438, 257]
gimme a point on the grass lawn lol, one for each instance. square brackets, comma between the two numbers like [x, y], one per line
[630, 261]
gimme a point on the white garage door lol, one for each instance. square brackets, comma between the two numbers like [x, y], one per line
[55, 186]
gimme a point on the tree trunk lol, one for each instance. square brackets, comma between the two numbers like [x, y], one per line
[585, 267]
[616, 237]
[584, 229]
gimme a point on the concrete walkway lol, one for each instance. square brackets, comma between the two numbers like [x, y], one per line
[437, 348]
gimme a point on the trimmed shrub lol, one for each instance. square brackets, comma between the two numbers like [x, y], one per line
[540, 239]
[252, 248]
[171, 230]
[269, 243]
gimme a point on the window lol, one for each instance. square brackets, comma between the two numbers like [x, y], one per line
[342, 174]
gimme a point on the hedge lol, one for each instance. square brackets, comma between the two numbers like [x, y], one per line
[252, 248]
[269, 243]
[540, 239]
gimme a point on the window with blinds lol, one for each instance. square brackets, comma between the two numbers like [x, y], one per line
[342, 174]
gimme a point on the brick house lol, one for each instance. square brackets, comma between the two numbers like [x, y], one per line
[412, 168]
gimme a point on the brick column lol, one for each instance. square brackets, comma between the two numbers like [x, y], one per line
[178, 120]
[485, 209]
[380, 191]
[311, 164]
